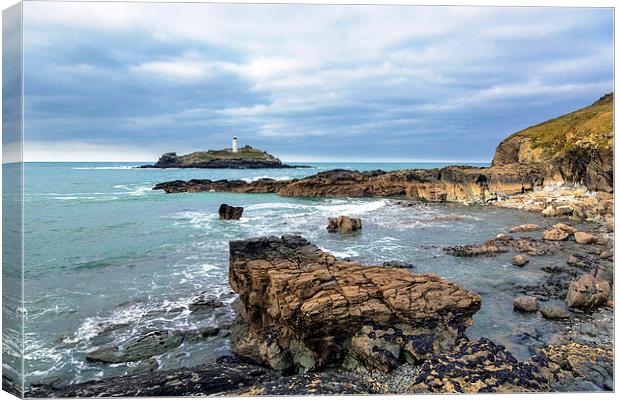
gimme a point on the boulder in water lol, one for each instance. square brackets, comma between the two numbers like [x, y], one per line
[142, 348]
[554, 312]
[525, 228]
[520, 260]
[229, 212]
[344, 224]
[525, 303]
[584, 238]
[587, 292]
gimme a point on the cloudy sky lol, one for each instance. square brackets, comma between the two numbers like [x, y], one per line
[121, 81]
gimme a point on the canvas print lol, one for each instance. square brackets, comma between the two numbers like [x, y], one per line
[294, 199]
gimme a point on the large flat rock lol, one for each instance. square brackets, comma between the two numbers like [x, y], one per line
[301, 308]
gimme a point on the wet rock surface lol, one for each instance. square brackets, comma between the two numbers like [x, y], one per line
[476, 367]
[525, 303]
[225, 375]
[554, 312]
[580, 367]
[312, 383]
[153, 343]
[503, 244]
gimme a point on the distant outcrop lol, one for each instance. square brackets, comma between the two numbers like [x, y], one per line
[246, 158]
[450, 184]
[574, 148]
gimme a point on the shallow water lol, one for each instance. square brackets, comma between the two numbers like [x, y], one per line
[108, 259]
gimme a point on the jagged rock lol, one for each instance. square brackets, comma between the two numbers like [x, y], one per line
[204, 302]
[344, 224]
[554, 312]
[473, 250]
[453, 183]
[555, 234]
[535, 247]
[573, 360]
[502, 244]
[550, 211]
[587, 292]
[397, 264]
[584, 238]
[520, 260]
[227, 374]
[151, 344]
[525, 228]
[476, 367]
[229, 212]
[525, 303]
[301, 308]
[565, 228]
[309, 384]
[558, 232]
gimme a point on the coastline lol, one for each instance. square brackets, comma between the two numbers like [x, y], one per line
[552, 370]
[305, 320]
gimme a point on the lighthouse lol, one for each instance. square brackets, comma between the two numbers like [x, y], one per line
[234, 145]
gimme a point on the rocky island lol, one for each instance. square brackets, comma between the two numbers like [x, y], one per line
[245, 157]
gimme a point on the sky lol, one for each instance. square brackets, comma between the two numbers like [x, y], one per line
[130, 81]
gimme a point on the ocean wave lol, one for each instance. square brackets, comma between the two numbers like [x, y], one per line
[352, 208]
[341, 254]
[256, 178]
[133, 191]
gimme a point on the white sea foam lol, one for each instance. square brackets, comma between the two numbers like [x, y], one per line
[256, 178]
[104, 168]
[341, 254]
[133, 191]
[353, 208]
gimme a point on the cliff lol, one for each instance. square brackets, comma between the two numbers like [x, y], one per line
[574, 148]
[246, 158]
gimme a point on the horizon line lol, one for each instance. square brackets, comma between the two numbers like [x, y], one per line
[283, 161]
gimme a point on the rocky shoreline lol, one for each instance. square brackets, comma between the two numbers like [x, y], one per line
[309, 323]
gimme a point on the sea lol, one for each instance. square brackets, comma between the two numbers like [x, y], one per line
[108, 259]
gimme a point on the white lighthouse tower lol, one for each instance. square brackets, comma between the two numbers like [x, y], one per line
[234, 145]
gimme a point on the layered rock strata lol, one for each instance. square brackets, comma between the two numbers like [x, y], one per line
[452, 184]
[301, 309]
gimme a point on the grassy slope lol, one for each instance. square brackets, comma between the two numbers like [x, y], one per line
[590, 126]
[242, 154]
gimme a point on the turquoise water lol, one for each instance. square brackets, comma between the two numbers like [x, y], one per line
[108, 259]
